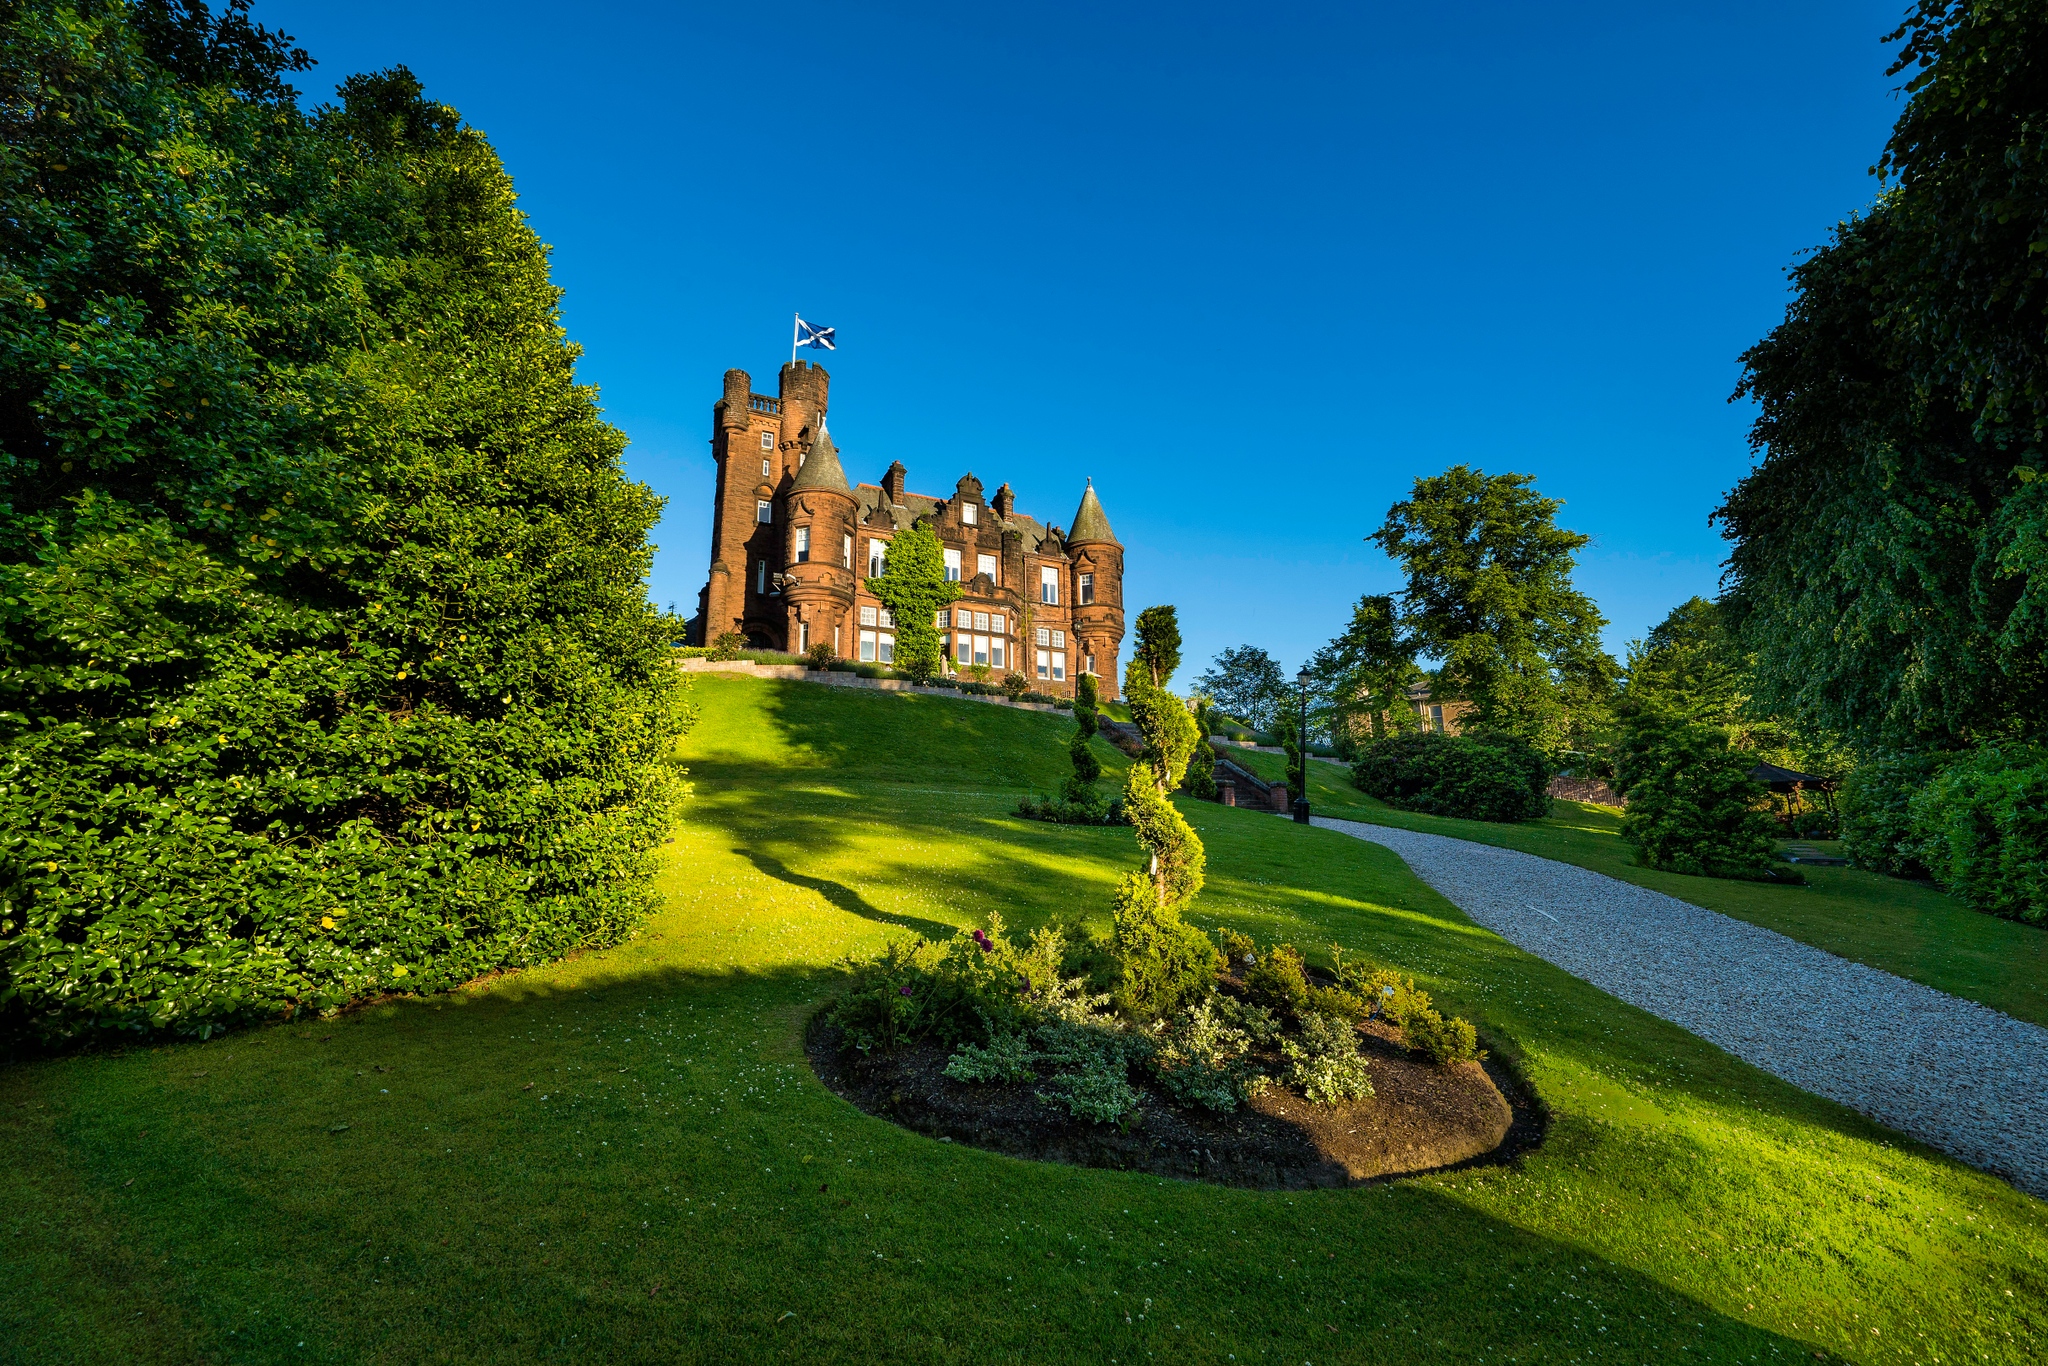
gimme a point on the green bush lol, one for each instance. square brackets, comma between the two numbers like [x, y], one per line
[1091, 1062]
[326, 667]
[972, 988]
[1488, 779]
[728, 646]
[1877, 816]
[1695, 809]
[1201, 1060]
[1325, 1064]
[1983, 827]
[1007, 1058]
[1445, 1040]
[1278, 981]
[819, 657]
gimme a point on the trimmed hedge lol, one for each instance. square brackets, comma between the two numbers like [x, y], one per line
[1694, 808]
[1983, 828]
[1877, 813]
[1487, 779]
[326, 666]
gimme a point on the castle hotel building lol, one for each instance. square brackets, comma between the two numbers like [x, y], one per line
[793, 545]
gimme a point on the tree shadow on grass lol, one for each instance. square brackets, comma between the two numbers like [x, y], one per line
[845, 897]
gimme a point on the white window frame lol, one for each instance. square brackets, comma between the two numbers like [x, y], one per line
[995, 623]
[970, 514]
[803, 545]
[885, 618]
[803, 636]
[981, 649]
[1059, 667]
[1049, 585]
[765, 469]
[995, 652]
[885, 648]
[1044, 636]
[952, 565]
[991, 566]
[1084, 594]
[846, 552]
[867, 647]
[764, 511]
[867, 616]
[878, 558]
[768, 441]
[981, 621]
[1045, 664]
[1059, 640]
[963, 649]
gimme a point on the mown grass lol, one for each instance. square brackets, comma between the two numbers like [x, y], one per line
[676, 1186]
[1908, 928]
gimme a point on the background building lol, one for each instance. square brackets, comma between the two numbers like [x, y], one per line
[793, 544]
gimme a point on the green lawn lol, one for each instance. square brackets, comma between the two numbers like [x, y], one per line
[675, 1186]
[1906, 928]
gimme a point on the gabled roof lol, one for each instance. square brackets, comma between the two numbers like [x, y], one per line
[1091, 523]
[821, 469]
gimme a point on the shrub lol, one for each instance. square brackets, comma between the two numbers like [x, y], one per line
[1201, 1061]
[1238, 949]
[1813, 825]
[1257, 1023]
[1488, 779]
[1325, 1064]
[1015, 685]
[1007, 1058]
[1694, 809]
[1983, 826]
[1445, 1040]
[1091, 1064]
[326, 664]
[1877, 817]
[1337, 1002]
[727, 646]
[1164, 962]
[971, 989]
[1387, 994]
[1278, 981]
[819, 657]
[1089, 809]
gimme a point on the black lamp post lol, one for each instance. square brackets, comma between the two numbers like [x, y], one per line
[1301, 751]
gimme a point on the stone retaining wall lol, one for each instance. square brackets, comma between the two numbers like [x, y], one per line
[834, 679]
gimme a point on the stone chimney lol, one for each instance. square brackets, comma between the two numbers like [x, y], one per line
[892, 482]
[1004, 501]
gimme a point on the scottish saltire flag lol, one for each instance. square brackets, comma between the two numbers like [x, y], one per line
[811, 335]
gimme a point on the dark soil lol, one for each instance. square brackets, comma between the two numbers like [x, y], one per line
[1420, 1118]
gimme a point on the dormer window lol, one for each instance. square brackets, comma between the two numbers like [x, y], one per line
[969, 512]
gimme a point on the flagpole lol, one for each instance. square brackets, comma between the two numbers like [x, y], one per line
[795, 324]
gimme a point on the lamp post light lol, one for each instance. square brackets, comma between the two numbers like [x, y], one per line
[1301, 751]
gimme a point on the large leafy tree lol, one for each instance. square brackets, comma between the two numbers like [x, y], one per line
[913, 586]
[1889, 566]
[1248, 684]
[325, 665]
[1489, 596]
[1365, 672]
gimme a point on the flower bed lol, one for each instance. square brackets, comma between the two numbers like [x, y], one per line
[1270, 1079]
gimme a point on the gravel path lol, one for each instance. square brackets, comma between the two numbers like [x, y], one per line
[1956, 1075]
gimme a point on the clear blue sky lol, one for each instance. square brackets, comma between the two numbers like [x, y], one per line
[1253, 267]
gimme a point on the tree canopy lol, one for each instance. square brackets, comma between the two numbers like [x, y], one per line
[1889, 560]
[1365, 671]
[1489, 596]
[1248, 684]
[325, 662]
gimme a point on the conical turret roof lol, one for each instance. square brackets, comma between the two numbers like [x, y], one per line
[1091, 523]
[821, 469]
